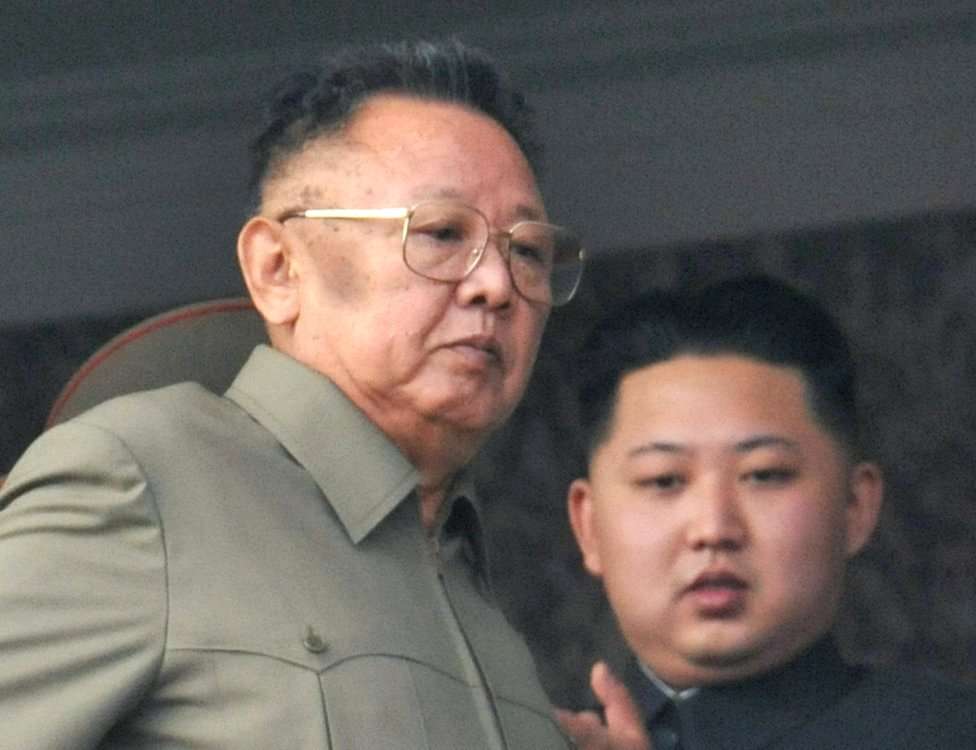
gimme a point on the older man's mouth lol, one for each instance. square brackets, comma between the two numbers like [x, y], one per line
[478, 349]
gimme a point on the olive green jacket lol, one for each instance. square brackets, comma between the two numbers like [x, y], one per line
[184, 570]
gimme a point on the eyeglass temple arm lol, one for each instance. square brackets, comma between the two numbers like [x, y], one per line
[349, 213]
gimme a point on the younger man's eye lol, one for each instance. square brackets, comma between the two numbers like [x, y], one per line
[771, 475]
[662, 482]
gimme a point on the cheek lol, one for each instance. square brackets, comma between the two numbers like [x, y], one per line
[637, 577]
[635, 547]
[333, 277]
[803, 553]
[347, 284]
[405, 306]
[527, 331]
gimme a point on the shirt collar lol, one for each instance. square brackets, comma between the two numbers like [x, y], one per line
[357, 467]
[669, 692]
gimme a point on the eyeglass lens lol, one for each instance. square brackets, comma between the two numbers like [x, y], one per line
[446, 240]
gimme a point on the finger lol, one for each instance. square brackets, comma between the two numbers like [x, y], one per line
[625, 727]
[585, 728]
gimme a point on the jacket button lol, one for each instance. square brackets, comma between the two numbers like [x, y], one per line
[313, 642]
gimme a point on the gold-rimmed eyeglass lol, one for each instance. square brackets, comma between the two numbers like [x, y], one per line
[445, 241]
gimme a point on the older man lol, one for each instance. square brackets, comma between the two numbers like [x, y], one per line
[726, 494]
[298, 563]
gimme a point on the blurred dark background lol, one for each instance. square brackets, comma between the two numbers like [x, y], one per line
[832, 146]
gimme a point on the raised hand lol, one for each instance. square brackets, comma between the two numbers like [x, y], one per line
[622, 729]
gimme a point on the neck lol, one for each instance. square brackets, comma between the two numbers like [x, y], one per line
[431, 500]
[437, 446]
[438, 453]
[438, 458]
[674, 693]
[679, 674]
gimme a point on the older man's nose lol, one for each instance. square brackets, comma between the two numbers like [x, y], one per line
[490, 283]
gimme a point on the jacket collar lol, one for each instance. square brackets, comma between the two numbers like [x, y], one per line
[357, 467]
[754, 713]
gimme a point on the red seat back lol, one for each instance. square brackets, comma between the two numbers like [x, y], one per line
[206, 342]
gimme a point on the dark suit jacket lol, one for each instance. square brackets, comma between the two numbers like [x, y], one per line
[819, 702]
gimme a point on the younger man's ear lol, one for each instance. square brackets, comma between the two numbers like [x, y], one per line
[269, 270]
[579, 503]
[865, 495]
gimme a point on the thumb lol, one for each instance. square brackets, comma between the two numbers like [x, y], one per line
[624, 725]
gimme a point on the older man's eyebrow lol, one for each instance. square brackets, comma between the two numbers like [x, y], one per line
[532, 213]
[427, 192]
[656, 446]
[766, 441]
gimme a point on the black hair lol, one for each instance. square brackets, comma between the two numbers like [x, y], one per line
[323, 98]
[753, 316]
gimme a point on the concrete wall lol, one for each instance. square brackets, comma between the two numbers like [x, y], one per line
[123, 158]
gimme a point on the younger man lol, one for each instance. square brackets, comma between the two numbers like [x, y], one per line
[725, 495]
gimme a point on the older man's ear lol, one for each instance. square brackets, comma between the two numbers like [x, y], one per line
[270, 270]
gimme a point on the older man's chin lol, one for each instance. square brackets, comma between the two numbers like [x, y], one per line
[473, 417]
[475, 411]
